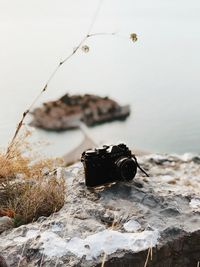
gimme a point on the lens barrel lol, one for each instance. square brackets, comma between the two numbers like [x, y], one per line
[126, 168]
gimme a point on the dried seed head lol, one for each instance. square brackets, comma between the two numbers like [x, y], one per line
[85, 48]
[133, 37]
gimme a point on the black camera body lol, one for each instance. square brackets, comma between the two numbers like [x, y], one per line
[108, 164]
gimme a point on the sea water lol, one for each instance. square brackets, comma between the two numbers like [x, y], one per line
[158, 75]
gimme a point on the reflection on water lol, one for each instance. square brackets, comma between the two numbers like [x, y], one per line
[158, 76]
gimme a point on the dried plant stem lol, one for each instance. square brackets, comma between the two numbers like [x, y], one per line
[149, 253]
[104, 260]
[95, 16]
[88, 35]
[20, 124]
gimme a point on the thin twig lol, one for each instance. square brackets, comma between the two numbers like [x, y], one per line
[95, 16]
[147, 258]
[103, 260]
[88, 35]
[101, 33]
[151, 253]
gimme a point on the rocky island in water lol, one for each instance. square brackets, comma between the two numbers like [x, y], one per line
[68, 111]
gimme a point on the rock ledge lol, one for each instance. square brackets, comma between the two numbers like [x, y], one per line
[161, 212]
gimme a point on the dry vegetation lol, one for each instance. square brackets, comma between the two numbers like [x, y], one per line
[26, 193]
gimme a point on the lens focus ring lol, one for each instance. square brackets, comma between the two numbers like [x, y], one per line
[126, 168]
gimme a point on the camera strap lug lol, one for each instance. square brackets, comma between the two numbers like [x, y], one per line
[139, 165]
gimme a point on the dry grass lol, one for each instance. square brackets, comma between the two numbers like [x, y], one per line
[26, 193]
[15, 163]
[30, 200]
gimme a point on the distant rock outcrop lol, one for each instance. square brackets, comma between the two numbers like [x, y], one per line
[68, 111]
[157, 215]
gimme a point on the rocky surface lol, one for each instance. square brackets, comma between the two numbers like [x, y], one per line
[68, 111]
[5, 223]
[118, 223]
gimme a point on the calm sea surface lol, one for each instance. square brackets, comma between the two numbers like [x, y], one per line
[159, 76]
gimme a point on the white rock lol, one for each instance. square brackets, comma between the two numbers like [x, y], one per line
[32, 233]
[132, 226]
[186, 157]
[107, 241]
[195, 203]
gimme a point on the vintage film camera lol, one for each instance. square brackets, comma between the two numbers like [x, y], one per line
[109, 164]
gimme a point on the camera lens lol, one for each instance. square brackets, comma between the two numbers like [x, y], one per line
[126, 168]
